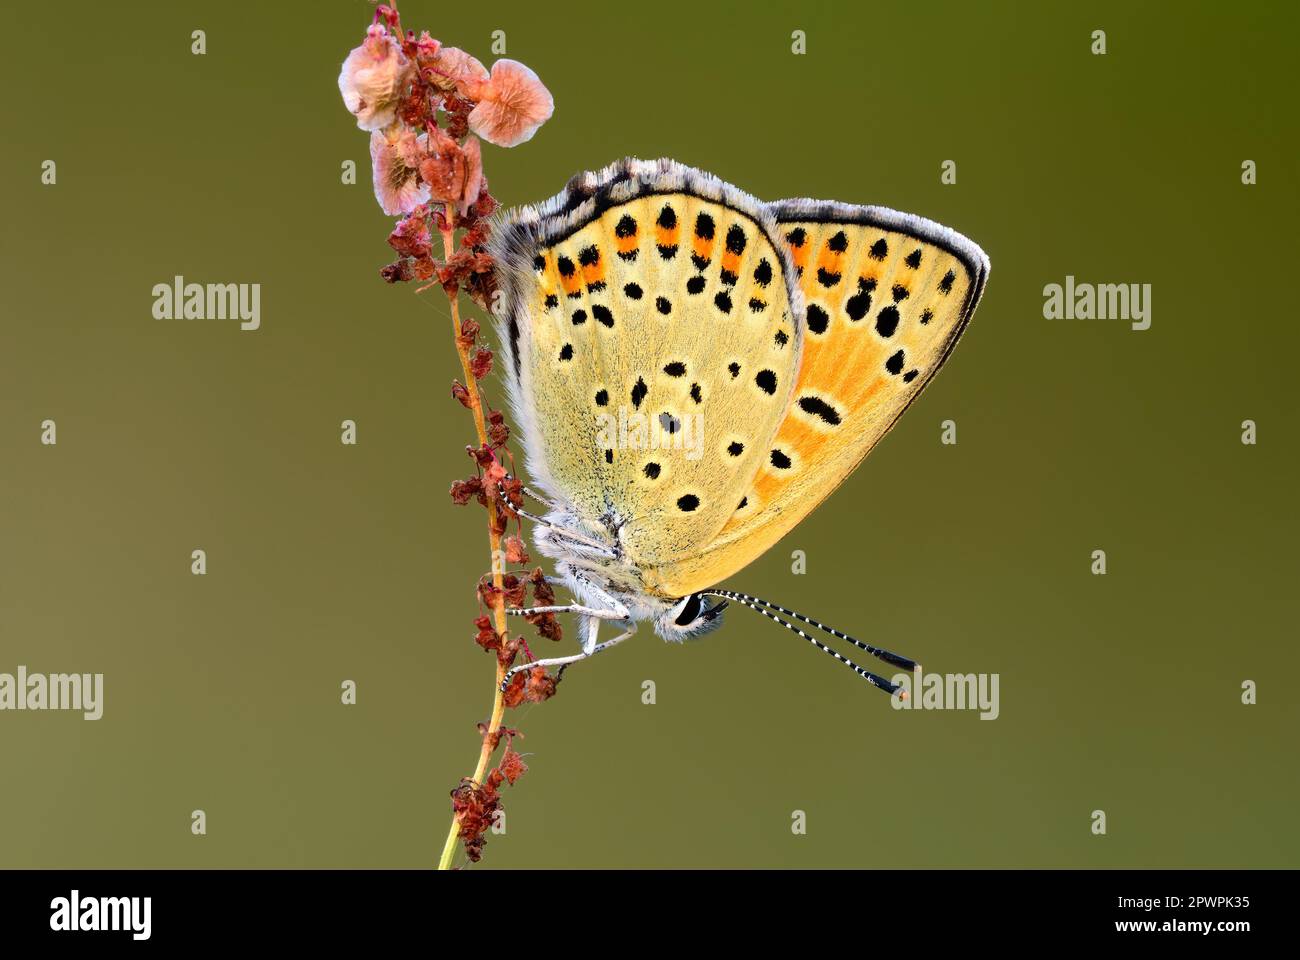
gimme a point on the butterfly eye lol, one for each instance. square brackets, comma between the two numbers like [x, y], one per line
[689, 611]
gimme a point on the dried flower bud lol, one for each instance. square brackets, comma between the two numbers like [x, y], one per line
[515, 551]
[399, 271]
[515, 590]
[513, 695]
[541, 685]
[469, 330]
[463, 490]
[487, 637]
[512, 766]
[481, 364]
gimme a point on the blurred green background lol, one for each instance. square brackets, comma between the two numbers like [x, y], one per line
[328, 562]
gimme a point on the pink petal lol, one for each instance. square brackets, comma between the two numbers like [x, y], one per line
[473, 152]
[453, 67]
[515, 103]
[398, 188]
[373, 79]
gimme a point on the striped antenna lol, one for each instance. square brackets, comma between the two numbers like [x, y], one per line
[765, 608]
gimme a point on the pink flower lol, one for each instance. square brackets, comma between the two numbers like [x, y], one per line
[452, 68]
[373, 79]
[513, 103]
[395, 163]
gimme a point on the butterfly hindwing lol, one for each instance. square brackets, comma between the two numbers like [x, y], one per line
[886, 297]
[652, 348]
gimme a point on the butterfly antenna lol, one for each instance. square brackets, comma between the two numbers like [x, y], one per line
[765, 608]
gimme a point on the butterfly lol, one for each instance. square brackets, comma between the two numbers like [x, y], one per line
[693, 371]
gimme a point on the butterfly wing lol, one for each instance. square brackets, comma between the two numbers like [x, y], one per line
[887, 295]
[651, 342]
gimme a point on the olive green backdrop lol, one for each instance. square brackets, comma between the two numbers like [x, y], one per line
[1119, 693]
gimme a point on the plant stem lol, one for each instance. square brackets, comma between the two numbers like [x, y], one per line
[499, 603]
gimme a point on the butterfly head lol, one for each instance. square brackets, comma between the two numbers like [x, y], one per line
[691, 616]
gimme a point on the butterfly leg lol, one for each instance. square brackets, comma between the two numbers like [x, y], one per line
[589, 649]
[592, 546]
[568, 608]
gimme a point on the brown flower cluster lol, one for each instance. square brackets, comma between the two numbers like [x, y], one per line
[428, 108]
[476, 805]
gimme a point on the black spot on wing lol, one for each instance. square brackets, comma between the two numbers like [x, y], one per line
[639, 390]
[818, 407]
[858, 305]
[735, 239]
[766, 380]
[818, 319]
[887, 321]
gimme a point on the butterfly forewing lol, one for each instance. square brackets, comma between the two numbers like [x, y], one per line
[887, 296]
[655, 348]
